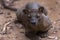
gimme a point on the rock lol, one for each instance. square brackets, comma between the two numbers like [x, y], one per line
[53, 37]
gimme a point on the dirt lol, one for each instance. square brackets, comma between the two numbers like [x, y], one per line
[15, 31]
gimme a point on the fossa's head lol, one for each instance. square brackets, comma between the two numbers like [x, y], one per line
[34, 12]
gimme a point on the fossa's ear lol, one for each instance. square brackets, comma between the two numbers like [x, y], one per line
[26, 11]
[42, 10]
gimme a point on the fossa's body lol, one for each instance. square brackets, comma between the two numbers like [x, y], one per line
[34, 18]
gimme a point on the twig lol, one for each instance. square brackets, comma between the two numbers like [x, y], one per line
[5, 27]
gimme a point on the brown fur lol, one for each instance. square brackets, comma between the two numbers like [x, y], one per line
[44, 23]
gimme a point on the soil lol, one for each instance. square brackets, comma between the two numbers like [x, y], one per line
[15, 31]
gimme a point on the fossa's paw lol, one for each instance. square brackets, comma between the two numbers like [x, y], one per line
[42, 34]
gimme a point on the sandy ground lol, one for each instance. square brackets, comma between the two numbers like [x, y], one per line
[15, 30]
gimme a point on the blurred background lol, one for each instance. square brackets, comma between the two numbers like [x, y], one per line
[15, 33]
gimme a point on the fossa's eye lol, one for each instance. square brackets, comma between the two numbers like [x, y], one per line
[29, 16]
[29, 10]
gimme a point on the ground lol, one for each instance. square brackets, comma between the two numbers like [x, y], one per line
[15, 30]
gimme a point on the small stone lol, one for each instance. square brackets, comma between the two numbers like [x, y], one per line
[54, 22]
[56, 2]
[1, 12]
[56, 38]
[59, 13]
[8, 13]
[53, 37]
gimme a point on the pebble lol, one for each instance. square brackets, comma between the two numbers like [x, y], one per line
[53, 37]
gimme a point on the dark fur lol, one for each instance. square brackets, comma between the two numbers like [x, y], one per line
[34, 20]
